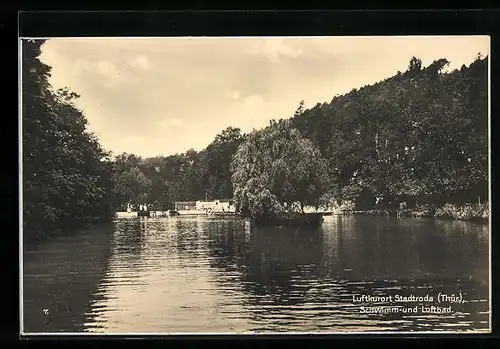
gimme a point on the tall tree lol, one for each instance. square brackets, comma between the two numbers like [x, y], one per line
[219, 154]
[133, 187]
[275, 169]
[66, 174]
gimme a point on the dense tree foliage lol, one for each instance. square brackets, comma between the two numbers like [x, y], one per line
[219, 156]
[66, 175]
[276, 169]
[418, 137]
[190, 176]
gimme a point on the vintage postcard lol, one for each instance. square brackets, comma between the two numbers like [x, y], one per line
[195, 185]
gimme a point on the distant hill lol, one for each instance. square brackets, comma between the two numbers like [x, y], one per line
[420, 136]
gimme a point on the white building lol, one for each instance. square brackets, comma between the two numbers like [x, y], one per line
[216, 206]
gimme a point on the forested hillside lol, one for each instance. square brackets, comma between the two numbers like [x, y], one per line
[420, 136]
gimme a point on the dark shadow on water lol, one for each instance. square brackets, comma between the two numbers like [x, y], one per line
[390, 248]
[61, 276]
[268, 259]
[277, 256]
[226, 243]
[322, 269]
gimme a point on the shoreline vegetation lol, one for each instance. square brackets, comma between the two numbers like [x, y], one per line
[467, 212]
[415, 143]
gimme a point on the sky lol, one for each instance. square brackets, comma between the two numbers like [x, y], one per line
[161, 96]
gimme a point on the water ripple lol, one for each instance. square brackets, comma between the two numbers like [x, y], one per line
[211, 274]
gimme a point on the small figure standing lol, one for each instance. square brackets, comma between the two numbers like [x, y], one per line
[402, 208]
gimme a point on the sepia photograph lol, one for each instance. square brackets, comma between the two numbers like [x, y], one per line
[254, 185]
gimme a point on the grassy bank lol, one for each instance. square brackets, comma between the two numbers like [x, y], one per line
[466, 212]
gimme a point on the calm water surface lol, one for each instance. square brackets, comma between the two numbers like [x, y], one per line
[209, 274]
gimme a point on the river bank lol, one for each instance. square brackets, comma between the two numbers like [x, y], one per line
[466, 212]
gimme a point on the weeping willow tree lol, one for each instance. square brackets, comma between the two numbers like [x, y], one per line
[276, 171]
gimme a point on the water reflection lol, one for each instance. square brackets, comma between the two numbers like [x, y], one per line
[60, 280]
[214, 274]
[278, 256]
[129, 237]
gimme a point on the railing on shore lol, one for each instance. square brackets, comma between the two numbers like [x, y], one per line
[170, 213]
[373, 212]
